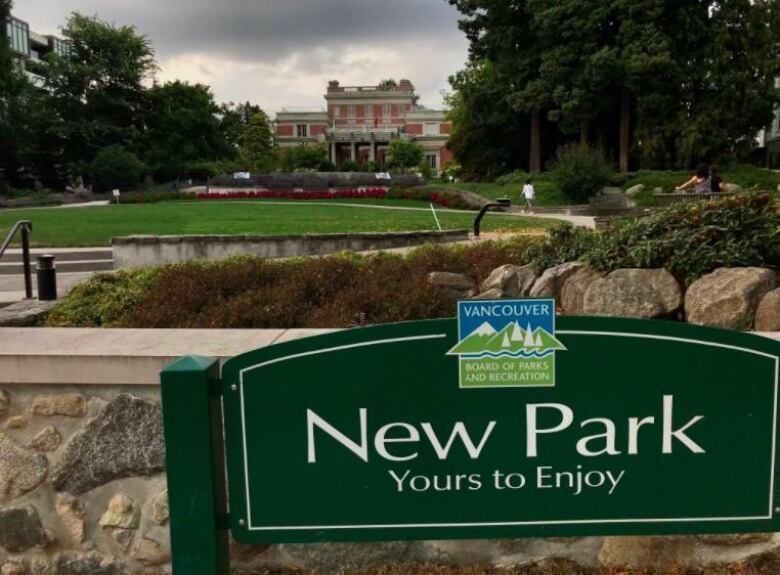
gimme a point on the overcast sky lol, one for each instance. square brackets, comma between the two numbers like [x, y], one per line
[283, 52]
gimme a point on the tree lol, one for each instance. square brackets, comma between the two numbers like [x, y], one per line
[115, 167]
[304, 158]
[387, 84]
[183, 127]
[683, 81]
[257, 144]
[404, 154]
[488, 136]
[98, 92]
[233, 119]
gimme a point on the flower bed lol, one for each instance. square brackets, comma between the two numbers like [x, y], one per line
[312, 194]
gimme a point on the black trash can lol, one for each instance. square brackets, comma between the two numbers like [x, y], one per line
[47, 278]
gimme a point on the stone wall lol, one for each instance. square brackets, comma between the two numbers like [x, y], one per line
[82, 483]
[146, 251]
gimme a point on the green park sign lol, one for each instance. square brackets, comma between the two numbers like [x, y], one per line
[507, 422]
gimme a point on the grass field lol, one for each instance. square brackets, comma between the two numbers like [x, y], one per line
[95, 226]
[547, 193]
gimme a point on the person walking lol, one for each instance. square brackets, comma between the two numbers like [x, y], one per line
[700, 181]
[529, 194]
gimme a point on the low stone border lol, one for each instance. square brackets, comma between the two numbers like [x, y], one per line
[82, 482]
[147, 251]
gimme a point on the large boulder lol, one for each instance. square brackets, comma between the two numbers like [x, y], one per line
[459, 285]
[573, 291]
[768, 312]
[550, 283]
[510, 281]
[125, 440]
[635, 293]
[634, 191]
[728, 297]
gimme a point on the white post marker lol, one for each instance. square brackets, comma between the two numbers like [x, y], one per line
[435, 217]
[116, 195]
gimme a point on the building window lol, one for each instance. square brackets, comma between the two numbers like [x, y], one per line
[336, 111]
[431, 129]
[369, 110]
[431, 159]
[60, 47]
[303, 131]
[18, 36]
[351, 110]
[387, 110]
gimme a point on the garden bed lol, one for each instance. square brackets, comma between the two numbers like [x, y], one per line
[350, 290]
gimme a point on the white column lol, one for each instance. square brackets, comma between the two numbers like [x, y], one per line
[353, 151]
[372, 155]
[333, 152]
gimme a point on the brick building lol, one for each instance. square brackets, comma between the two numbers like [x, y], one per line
[359, 123]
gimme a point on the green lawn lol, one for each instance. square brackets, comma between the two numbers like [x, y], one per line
[95, 226]
[547, 193]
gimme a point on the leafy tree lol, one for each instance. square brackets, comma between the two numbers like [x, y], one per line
[11, 85]
[183, 127]
[387, 84]
[488, 136]
[403, 155]
[257, 144]
[98, 92]
[115, 167]
[304, 158]
[233, 119]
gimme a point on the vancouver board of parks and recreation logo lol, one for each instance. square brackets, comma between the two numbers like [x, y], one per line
[507, 343]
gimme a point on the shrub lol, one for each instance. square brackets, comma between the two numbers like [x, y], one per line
[115, 167]
[245, 292]
[444, 198]
[103, 300]
[580, 172]
[371, 166]
[688, 239]
[322, 194]
[155, 197]
[349, 166]
[692, 239]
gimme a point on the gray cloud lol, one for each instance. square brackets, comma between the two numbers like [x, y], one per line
[259, 43]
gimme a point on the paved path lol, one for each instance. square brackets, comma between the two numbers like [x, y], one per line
[12, 286]
[577, 221]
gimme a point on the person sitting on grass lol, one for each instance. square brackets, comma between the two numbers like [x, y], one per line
[700, 181]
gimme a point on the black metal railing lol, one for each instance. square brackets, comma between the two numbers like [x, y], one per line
[499, 203]
[26, 227]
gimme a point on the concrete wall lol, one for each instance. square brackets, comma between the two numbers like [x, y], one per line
[82, 483]
[146, 251]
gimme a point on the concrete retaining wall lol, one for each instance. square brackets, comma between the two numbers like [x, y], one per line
[146, 251]
[82, 483]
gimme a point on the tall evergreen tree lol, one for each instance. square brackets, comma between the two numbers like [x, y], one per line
[684, 80]
[257, 144]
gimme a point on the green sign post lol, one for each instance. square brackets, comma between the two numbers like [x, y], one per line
[403, 431]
